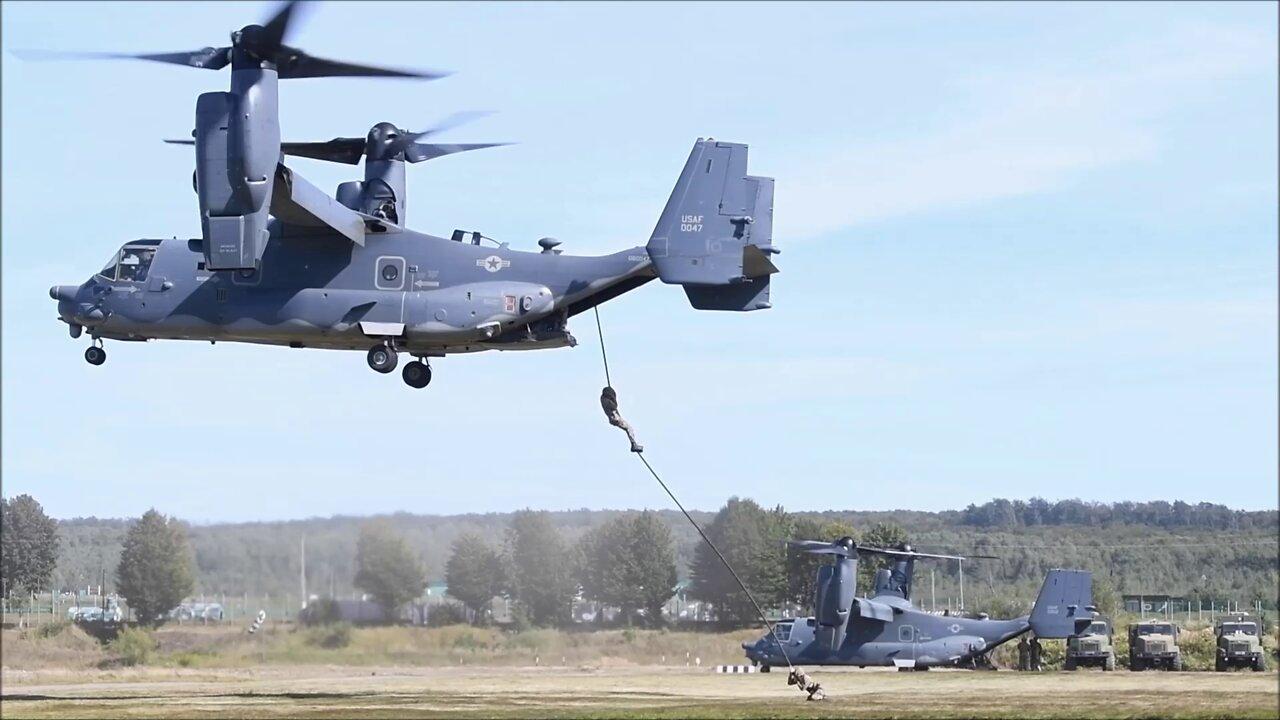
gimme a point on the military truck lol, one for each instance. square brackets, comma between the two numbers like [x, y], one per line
[1154, 644]
[1091, 647]
[1239, 641]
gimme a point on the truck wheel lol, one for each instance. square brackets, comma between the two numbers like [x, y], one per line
[1259, 664]
[1109, 664]
[1176, 664]
[1070, 664]
[1219, 665]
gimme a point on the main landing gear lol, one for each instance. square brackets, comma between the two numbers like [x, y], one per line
[95, 355]
[383, 358]
[416, 374]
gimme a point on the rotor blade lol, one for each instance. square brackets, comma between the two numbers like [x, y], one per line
[418, 152]
[453, 121]
[340, 150]
[276, 29]
[297, 64]
[916, 554]
[805, 544]
[816, 547]
[180, 142]
[209, 58]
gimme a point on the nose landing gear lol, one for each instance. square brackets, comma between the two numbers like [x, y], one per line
[95, 355]
[416, 374]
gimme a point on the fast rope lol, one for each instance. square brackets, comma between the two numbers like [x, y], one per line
[796, 676]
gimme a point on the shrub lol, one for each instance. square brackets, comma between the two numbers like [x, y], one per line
[446, 614]
[330, 637]
[320, 612]
[53, 629]
[133, 646]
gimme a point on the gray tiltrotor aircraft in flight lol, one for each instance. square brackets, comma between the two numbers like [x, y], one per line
[886, 629]
[280, 262]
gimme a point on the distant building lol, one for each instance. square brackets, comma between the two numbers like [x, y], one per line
[1154, 604]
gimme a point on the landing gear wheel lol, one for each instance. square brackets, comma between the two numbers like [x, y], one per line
[416, 374]
[95, 355]
[766, 668]
[382, 358]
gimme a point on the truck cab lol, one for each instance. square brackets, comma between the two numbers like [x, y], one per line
[1091, 647]
[1154, 644]
[1239, 644]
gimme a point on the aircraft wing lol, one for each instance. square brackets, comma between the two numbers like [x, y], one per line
[297, 202]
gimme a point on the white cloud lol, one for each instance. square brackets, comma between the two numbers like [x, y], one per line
[1019, 133]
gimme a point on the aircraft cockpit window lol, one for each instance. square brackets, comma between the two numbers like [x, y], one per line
[134, 263]
[783, 631]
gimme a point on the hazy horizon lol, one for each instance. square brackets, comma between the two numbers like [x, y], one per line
[672, 508]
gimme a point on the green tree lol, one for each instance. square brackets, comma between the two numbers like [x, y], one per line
[751, 539]
[387, 568]
[652, 565]
[629, 563]
[601, 568]
[28, 545]
[154, 573]
[541, 578]
[474, 574]
[884, 535]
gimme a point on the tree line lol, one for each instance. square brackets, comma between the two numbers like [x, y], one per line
[632, 561]
[1159, 513]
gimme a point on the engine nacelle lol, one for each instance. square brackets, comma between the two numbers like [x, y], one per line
[833, 601]
[237, 145]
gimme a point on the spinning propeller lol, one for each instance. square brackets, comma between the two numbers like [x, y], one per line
[252, 46]
[388, 142]
[847, 546]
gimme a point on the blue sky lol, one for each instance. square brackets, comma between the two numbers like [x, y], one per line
[1027, 250]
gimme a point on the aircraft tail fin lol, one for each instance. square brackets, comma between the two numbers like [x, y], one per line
[1065, 604]
[715, 235]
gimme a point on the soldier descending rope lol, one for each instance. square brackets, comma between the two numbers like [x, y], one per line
[609, 401]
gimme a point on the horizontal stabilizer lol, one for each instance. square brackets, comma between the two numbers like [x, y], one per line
[297, 202]
[1065, 605]
[742, 296]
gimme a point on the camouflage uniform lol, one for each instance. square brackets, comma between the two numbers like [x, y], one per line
[609, 402]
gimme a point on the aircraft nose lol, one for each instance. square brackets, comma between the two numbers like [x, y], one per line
[63, 292]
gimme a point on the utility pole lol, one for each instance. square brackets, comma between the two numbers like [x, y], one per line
[933, 598]
[304, 571]
[961, 584]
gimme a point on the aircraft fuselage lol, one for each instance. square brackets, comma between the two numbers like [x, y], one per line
[913, 638]
[427, 295]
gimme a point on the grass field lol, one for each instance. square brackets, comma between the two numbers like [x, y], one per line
[284, 671]
[517, 692]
